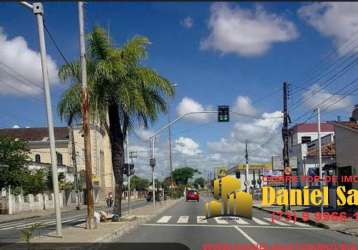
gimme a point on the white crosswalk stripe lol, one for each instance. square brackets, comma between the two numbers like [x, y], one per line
[164, 219]
[276, 222]
[201, 219]
[241, 221]
[183, 219]
[220, 220]
[260, 222]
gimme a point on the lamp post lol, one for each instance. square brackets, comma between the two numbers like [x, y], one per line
[38, 10]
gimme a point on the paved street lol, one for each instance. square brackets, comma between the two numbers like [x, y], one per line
[185, 224]
[10, 231]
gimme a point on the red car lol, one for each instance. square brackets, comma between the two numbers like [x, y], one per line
[192, 195]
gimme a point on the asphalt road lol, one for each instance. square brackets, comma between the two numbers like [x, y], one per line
[10, 231]
[184, 224]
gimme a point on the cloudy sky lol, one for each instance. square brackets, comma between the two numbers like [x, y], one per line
[216, 53]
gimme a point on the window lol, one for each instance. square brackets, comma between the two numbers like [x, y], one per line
[59, 159]
[37, 158]
[305, 139]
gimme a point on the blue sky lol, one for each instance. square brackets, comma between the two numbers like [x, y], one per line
[216, 53]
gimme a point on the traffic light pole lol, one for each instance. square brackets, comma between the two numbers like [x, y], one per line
[152, 138]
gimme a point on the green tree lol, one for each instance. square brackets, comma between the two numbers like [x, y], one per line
[14, 155]
[119, 86]
[199, 182]
[35, 182]
[182, 175]
[139, 184]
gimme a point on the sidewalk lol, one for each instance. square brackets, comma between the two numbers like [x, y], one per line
[107, 231]
[41, 213]
[350, 226]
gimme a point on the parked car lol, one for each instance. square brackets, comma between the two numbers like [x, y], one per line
[192, 195]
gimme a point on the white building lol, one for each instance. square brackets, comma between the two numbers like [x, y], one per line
[303, 146]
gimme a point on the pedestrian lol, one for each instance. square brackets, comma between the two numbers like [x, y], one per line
[109, 200]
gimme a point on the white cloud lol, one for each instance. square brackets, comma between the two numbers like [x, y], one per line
[263, 136]
[246, 32]
[316, 96]
[244, 106]
[16, 126]
[187, 22]
[188, 105]
[15, 55]
[187, 146]
[336, 20]
[143, 134]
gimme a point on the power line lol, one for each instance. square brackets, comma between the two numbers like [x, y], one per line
[55, 44]
[327, 83]
[341, 61]
[344, 95]
[18, 76]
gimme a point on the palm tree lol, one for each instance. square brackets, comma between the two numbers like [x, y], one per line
[122, 91]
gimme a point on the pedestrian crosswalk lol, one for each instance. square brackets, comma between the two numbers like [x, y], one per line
[185, 219]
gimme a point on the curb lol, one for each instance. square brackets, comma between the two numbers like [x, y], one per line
[313, 223]
[131, 225]
[20, 219]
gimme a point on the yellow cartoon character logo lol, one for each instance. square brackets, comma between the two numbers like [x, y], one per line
[229, 199]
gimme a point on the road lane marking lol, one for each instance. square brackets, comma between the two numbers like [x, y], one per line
[226, 226]
[164, 219]
[201, 219]
[220, 220]
[260, 222]
[248, 237]
[241, 221]
[183, 219]
[299, 224]
[276, 222]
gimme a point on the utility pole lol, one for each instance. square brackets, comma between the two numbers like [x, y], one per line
[85, 121]
[285, 135]
[38, 10]
[170, 142]
[170, 151]
[246, 168]
[320, 152]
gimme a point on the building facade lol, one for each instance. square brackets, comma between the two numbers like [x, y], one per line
[303, 146]
[67, 142]
[346, 150]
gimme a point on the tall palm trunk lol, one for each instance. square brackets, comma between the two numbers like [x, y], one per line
[117, 147]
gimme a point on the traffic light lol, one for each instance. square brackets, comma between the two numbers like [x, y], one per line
[223, 113]
[128, 169]
[125, 169]
[237, 173]
[131, 169]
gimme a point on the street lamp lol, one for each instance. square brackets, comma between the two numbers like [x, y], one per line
[37, 9]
